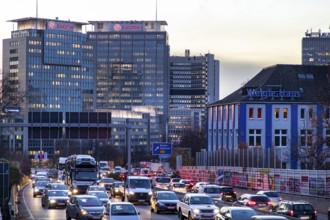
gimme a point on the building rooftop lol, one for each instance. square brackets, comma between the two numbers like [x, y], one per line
[284, 84]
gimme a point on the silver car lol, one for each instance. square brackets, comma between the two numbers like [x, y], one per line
[84, 207]
[54, 199]
[103, 196]
[121, 211]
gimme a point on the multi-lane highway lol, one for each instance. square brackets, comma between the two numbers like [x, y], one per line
[34, 210]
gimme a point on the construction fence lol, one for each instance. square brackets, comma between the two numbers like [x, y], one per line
[314, 183]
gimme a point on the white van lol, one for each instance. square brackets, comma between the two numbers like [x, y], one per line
[136, 189]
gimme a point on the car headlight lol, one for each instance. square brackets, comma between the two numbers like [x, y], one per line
[75, 191]
[161, 204]
[83, 212]
[131, 193]
[102, 184]
[150, 193]
[216, 211]
[69, 193]
[52, 201]
[36, 189]
[116, 190]
[196, 211]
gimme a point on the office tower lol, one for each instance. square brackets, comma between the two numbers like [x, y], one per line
[194, 82]
[49, 66]
[316, 48]
[131, 65]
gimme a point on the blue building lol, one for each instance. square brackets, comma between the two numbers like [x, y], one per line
[282, 107]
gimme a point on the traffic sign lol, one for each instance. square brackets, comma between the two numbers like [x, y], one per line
[161, 148]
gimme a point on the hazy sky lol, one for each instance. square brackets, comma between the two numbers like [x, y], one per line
[245, 35]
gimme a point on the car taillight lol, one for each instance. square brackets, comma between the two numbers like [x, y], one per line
[315, 212]
[291, 212]
[234, 192]
[281, 199]
[269, 203]
[251, 203]
[191, 184]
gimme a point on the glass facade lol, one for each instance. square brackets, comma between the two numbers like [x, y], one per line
[316, 49]
[131, 66]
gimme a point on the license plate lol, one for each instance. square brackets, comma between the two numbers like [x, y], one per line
[61, 203]
[262, 205]
[171, 207]
[228, 196]
[208, 214]
[141, 200]
[304, 217]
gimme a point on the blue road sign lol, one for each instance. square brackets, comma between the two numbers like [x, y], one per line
[161, 148]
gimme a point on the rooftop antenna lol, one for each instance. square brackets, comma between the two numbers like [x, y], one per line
[36, 14]
[156, 10]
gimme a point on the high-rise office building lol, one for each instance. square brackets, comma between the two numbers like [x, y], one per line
[194, 82]
[132, 61]
[50, 63]
[316, 48]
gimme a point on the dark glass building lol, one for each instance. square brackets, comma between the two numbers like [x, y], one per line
[132, 62]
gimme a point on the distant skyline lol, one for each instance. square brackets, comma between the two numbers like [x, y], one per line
[245, 35]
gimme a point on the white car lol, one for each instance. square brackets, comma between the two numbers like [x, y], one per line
[120, 211]
[235, 213]
[178, 187]
[272, 195]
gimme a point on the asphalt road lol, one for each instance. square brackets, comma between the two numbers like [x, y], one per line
[30, 209]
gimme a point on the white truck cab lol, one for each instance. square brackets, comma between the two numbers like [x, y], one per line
[136, 189]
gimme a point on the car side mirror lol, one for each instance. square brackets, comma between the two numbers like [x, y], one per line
[138, 213]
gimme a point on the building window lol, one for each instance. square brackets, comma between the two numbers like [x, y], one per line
[327, 113]
[285, 113]
[277, 113]
[250, 113]
[254, 137]
[306, 137]
[280, 137]
[302, 113]
[327, 137]
[259, 113]
[310, 113]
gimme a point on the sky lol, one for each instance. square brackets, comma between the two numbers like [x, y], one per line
[244, 35]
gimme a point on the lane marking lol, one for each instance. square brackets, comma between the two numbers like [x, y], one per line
[29, 211]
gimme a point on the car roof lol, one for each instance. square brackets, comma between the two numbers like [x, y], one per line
[120, 203]
[197, 194]
[266, 217]
[236, 208]
[85, 196]
[162, 192]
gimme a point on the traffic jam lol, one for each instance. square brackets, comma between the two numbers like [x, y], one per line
[87, 189]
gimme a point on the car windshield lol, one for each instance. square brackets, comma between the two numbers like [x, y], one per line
[139, 183]
[56, 193]
[101, 195]
[89, 202]
[227, 190]
[41, 183]
[242, 214]
[118, 184]
[200, 200]
[96, 188]
[163, 180]
[303, 207]
[167, 196]
[123, 209]
[59, 186]
[271, 194]
[179, 185]
[212, 190]
[108, 180]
